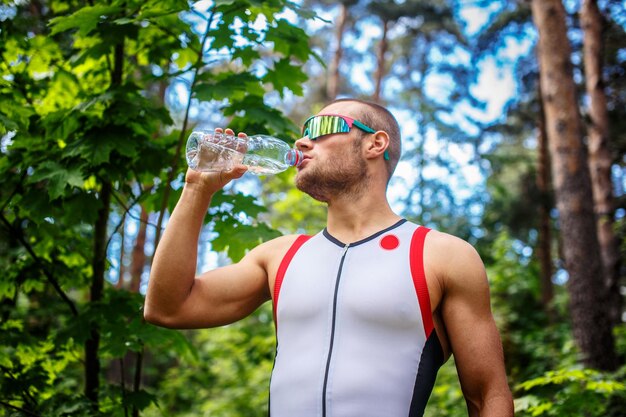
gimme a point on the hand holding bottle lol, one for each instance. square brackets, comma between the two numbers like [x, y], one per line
[262, 154]
[217, 179]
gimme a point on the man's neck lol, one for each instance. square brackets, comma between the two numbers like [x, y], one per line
[352, 218]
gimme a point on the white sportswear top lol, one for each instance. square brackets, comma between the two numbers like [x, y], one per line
[354, 327]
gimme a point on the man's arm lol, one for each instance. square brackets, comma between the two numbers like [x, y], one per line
[175, 296]
[472, 331]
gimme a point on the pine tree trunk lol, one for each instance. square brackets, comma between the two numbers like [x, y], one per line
[572, 186]
[380, 63]
[600, 160]
[332, 86]
[544, 243]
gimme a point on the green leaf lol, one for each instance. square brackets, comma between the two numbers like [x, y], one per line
[61, 125]
[14, 116]
[222, 37]
[289, 40]
[237, 238]
[259, 117]
[85, 19]
[7, 290]
[139, 399]
[236, 203]
[58, 178]
[284, 75]
[227, 84]
[157, 8]
[247, 55]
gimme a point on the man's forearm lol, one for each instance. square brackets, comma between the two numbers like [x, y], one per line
[175, 260]
[494, 406]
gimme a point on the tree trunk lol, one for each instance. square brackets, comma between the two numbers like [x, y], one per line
[139, 254]
[120, 280]
[332, 86]
[92, 345]
[92, 360]
[544, 242]
[380, 63]
[572, 185]
[600, 160]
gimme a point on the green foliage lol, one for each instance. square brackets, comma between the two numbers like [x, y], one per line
[230, 376]
[84, 109]
[290, 210]
[569, 392]
[531, 342]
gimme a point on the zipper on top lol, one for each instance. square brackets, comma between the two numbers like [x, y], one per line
[332, 328]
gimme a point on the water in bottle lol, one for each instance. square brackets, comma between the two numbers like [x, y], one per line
[210, 151]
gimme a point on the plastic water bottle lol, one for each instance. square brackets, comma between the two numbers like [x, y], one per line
[209, 151]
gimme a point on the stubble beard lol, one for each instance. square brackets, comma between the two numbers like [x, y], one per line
[338, 178]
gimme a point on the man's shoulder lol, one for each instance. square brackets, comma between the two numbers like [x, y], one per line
[279, 246]
[452, 257]
[446, 242]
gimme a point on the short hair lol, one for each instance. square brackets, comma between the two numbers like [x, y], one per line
[379, 118]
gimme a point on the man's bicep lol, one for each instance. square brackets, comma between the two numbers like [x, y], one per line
[472, 331]
[225, 295]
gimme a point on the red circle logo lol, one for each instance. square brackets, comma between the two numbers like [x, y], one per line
[389, 242]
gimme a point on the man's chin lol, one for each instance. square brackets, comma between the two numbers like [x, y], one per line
[314, 193]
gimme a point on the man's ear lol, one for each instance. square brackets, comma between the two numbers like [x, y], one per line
[377, 144]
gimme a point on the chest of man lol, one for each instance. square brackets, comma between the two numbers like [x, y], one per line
[354, 327]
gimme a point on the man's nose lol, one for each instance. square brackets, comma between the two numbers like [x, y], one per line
[304, 143]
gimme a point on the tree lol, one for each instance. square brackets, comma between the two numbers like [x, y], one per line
[332, 85]
[600, 158]
[592, 327]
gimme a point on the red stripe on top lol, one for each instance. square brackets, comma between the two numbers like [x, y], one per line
[282, 268]
[419, 277]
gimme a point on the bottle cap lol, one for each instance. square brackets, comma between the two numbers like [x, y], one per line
[294, 157]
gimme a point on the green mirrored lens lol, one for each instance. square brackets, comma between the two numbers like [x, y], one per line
[324, 125]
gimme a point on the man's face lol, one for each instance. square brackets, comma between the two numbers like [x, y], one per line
[333, 164]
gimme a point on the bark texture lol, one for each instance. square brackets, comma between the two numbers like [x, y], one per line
[139, 253]
[380, 63]
[600, 160]
[332, 86]
[572, 186]
[544, 243]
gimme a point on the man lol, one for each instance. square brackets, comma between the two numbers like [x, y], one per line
[367, 310]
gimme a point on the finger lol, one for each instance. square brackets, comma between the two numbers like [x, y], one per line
[236, 172]
[242, 143]
[218, 135]
[230, 131]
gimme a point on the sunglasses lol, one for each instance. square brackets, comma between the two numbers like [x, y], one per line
[327, 124]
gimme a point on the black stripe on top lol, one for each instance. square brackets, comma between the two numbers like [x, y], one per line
[430, 362]
[367, 239]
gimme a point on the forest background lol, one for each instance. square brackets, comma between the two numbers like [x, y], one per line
[98, 98]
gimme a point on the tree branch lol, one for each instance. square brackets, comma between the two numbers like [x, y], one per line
[137, 381]
[127, 212]
[55, 284]
[16, 408]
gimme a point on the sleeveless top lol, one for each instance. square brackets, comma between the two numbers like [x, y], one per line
[354, 328]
